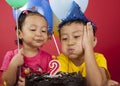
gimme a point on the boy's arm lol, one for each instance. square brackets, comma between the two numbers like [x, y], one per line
[95, 76]
[112, 83]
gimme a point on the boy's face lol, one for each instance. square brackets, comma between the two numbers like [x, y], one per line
[71, 40]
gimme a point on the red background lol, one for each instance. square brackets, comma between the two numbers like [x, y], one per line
[104, 13]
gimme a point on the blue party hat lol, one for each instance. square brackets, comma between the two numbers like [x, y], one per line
[75, 13]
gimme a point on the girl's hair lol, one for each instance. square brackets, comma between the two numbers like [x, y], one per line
[22, 18]
[74, 21]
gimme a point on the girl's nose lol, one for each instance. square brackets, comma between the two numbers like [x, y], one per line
[38, 33]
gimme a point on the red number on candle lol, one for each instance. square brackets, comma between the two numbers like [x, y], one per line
[54, 65]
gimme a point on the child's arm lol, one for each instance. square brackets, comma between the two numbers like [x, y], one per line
[113, 83]
[21, 81]
[95, 76]
[11, 73]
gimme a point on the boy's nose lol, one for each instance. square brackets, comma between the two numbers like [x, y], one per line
[70, 42]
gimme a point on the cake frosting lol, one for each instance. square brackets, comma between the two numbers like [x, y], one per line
[60, 79]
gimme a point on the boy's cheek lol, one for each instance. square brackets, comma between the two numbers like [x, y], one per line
[64, 49]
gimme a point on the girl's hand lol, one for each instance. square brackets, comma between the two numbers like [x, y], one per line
[21, 81]
[18, 58]
[88, 36]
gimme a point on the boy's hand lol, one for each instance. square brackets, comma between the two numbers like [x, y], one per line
[88, 36]
[112, 83]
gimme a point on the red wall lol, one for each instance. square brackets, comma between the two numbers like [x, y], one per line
[105, 14]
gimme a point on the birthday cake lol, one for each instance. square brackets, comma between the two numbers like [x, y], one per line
[54, 77]
[60, 79]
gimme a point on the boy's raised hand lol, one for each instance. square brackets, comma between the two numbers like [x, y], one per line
[88, 36]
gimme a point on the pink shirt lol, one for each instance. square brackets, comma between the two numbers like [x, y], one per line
[38, 63]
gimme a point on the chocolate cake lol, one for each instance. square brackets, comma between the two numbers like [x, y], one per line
[60, 79]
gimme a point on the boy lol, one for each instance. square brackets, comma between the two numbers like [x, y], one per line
[77, 35]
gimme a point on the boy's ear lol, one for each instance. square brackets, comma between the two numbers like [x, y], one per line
[95, 41]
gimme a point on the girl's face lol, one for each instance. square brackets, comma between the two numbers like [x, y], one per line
[34, 31]
[71, 40]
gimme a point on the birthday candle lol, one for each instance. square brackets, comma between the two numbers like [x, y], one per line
[54, 65]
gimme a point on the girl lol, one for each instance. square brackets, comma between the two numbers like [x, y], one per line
[32, 33]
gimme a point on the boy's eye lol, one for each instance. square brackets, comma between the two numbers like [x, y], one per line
[76, 36]
[63, 38]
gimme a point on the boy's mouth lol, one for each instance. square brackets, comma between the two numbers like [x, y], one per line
[70, 50]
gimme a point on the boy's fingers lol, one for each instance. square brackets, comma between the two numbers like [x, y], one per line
[85, 30]
[113, 83]
[89, 28]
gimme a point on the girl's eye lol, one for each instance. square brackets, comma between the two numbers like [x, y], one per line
[33, 30]
[44, 31]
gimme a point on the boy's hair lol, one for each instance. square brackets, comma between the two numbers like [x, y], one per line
[74, 21]
[22, 18]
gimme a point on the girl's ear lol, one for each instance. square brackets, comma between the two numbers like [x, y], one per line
[19, 33]
[95, 41]
[49, 35]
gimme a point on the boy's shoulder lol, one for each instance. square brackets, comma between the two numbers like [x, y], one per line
[97, 56]
[100, 57]
[61, 56]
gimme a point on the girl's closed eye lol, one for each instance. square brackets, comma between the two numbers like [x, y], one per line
[33, 28]
[44, 31]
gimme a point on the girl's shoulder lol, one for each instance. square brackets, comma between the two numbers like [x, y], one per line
[11, 53]
[7, 58]
[45, 55]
